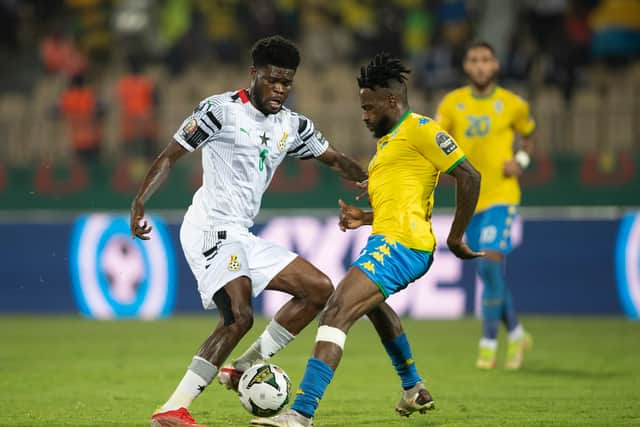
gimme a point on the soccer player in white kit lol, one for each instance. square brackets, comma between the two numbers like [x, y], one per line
[244, 136]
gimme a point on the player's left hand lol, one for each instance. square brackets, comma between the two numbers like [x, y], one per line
[138, 229]
[511, 168]
[351, 217]
[462, 250]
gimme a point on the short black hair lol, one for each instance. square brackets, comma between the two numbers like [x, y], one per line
[275, 50]
[382, 70]
[479, 43]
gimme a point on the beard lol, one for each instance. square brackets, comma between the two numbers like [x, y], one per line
[482, 85]
[382, 127]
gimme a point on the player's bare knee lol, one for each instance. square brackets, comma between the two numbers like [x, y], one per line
[321, 291]
[243, 318]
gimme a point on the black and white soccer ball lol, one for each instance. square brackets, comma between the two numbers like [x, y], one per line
[264, 390]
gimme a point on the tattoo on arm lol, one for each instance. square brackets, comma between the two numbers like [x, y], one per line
[343, 165]
[349, 169]
[467, 191]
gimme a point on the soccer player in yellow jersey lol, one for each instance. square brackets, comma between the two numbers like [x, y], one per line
[484, 119]
[411, 153]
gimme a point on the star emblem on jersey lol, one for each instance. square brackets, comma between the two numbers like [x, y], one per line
[423, 121]
[264, 139]
[234, 264]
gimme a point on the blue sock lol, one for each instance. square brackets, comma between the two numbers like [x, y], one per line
[509, 316]
[492, 296]
[400, 354]
[316, 379]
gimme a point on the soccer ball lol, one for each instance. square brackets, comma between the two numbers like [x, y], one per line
[264, 390]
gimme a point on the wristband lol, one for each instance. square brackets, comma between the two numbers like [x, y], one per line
[522, 159]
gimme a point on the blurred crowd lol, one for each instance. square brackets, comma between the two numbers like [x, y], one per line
[129, 70]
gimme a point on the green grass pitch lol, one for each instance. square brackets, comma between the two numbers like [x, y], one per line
[67, 371]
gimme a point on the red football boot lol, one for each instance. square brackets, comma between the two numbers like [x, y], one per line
[176, 418]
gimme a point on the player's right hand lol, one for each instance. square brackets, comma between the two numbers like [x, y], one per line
[139, 229]
[461, 250]
[351, 217]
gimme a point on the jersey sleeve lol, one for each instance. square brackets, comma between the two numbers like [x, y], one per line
[523, 122]
[202, 125]
[439, 148]
[444, 113]
[309, 141]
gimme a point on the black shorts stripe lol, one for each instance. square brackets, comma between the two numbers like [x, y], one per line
[214, 120]
[306, 138]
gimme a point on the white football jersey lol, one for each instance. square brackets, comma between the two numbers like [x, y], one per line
[241, 149]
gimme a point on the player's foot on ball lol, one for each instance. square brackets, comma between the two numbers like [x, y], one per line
[229, 377]
[175, 418]
[415, 399]
[486, 357]
[515, 352]
[291, 418]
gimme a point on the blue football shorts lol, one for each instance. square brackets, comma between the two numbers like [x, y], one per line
[491, 229]
[391, 265]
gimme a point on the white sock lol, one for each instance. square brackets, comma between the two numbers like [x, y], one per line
[199, 375]
[517, 333]
[274, 338]
[486, 342]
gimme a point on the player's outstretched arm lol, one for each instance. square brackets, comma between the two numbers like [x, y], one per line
[343, 165]
[352, 217]
[156, 175]
[467, 190]
[521, 158]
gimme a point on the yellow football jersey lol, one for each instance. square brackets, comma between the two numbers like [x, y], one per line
[484, 127]
[402, 176]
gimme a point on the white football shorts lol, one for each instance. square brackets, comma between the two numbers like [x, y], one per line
[227, 252]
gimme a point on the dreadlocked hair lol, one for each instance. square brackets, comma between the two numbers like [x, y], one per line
[382, 70]
[277, 51]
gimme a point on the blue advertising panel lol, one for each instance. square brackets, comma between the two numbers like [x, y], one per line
[627, 264]
[113, 275]
[92, 266]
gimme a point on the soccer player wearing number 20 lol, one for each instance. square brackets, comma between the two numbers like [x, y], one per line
[484, 119]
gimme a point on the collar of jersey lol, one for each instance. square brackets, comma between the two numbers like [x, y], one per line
[487, 96]
[404, 116]
[254, 110]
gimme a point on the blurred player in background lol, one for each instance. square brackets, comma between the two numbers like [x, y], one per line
[411, 153]
[484, 119]
[244, 136]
